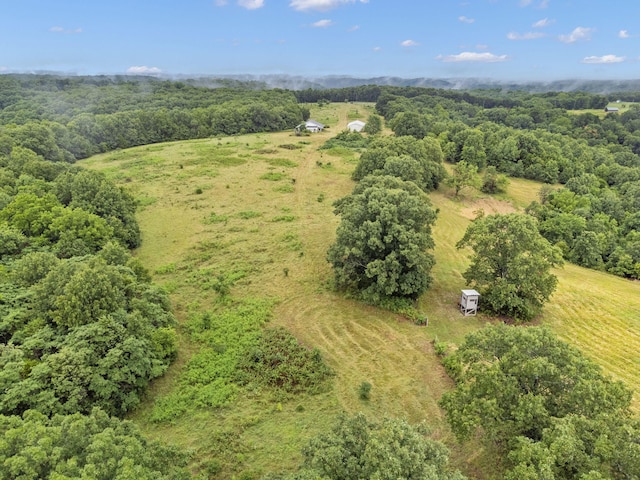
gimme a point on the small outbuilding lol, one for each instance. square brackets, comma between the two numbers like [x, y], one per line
[611, 109]
[356, 126]
[314, 126]
[469, 302]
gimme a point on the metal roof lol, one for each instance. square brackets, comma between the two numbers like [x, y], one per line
[470, 292]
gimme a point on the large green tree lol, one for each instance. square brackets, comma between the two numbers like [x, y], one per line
[390, 449]
[383, 238]
[513, 381]
[426, 153]
[579, 448]
[463, 175]
[96, 446]
[82, 332]
[511, 264]
[409, 123]
[374, 124]
[542, 402]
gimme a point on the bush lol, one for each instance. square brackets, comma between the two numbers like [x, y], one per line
[347, 139]
[364, 391]
[279, 361]
[493, 182]
[440, 348]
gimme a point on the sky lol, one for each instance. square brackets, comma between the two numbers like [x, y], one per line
[510, 40]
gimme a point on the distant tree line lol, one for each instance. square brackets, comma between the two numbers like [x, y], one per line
[64, 119]
[485, 98]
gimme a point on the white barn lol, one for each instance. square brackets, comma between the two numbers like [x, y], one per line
[356, 126]
[313, 126]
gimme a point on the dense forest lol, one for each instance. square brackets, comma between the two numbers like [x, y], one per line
[83, 330]
[65, 119]
[593, 217]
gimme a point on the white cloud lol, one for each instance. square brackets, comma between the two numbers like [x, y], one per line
[321, 5]
[485, 57]
[251, 4]
[220, 3]
[354, 28]
[579, 33]
[464, 19]
[322, 23]
[4, 69]
[482, 46]
[58, 29]
[143, 70]
[409, 43]
[623, 34]
[545, 22]
[542, 4]
[525, 36]
[377, 49]
[603, 59]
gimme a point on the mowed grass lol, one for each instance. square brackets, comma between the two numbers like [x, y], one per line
[258, 208]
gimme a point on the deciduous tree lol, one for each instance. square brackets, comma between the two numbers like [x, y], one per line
[464, 175]
[427, 153]
[383, 238]
[391, 449]
[513, 381]
[76, 446]
[374, 125]
[511, 264]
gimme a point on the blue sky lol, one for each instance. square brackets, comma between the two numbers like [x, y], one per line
[497, 39]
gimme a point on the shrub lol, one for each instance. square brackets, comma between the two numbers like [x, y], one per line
[364, 391]
[279, 361]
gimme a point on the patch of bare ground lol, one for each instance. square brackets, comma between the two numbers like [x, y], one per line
[488, 205]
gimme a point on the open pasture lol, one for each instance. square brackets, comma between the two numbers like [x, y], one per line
[621, 106]
[256, 211]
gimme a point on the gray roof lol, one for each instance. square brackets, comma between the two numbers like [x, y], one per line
[470, 292]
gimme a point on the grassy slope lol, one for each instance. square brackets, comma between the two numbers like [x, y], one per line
[285, 222]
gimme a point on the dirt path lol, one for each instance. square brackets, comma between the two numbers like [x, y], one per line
[361, 343]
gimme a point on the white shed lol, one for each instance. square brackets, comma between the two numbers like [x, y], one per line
[469, 302]
[314, 126]
[356, 126]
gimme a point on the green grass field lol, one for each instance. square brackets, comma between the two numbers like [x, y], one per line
[258, 208]
[621, 106]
